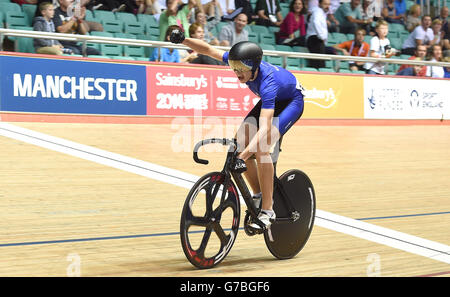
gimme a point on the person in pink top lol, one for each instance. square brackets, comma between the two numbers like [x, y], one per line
[294, 21]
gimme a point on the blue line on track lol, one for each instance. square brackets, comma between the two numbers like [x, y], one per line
[405, 216]
[177, 233]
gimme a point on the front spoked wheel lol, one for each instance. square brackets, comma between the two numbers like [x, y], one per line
[210, 220]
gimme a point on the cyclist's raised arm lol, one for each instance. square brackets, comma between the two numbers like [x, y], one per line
[201, 47]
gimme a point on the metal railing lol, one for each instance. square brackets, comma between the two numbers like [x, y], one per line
[84, 39]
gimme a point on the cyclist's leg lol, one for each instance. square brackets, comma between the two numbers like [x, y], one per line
[286, 114]
[289, 116]
[245, 133]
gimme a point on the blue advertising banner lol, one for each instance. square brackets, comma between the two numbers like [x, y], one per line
[65, 86]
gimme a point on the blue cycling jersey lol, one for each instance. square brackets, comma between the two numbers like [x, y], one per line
[273, 84]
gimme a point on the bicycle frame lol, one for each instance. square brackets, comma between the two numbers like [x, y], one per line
[239, 179]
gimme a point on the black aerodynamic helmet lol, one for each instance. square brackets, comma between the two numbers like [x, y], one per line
[245, 55]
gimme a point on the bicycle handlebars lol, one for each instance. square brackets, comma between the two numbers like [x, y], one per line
[223, 141]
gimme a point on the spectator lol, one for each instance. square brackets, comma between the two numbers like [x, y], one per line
[200, 18]
[357, 47]
[72, 25]
[400, 7]
[142, 6]
[422, 34]
[436, 26]
[234, 32]
[413, 18]
[447, 69]
[294, 21]
[269, 13]
[368, 14]
[420, 53]
[227, 7]
[390, 13]
[110, 5]
[211, 9]
[162, 54]
[20, 2]
[312, 4]
[443, 16]
[411, 70]
[349, 17]
[196, 31]
[92, 26]
[435, 54]
[82, 5]
[378, 8]
[176, 14]
[446, 44]
[332, 22]
[379, 48]
[247, 9]
[317, 32]
[44, 23]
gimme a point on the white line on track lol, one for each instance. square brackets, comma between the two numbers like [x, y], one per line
[412, 244]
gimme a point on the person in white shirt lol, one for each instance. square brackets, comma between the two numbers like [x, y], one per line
[227, 6]
[317, 32]
[234, 32]
[435, 55]
[379, 48]
[422, 34]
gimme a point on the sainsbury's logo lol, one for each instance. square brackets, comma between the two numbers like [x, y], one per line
[181, 81]
[322, 98]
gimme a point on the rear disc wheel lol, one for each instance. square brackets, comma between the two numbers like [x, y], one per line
[289, 238]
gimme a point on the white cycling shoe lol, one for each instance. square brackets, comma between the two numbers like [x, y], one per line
[266, 217]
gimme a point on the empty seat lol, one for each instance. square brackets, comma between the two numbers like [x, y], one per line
[293, 62]
[268, 47]
[134, 27]
[8, 6]
[111, 49]
[253, 37]
[147, 19]
[267, 38]
[102, 33]
[134, 51]
[16, 18]
[308, 69]
[24, 45]
[29, 10]
[283, 48]
[112, 26]
[275, 60]
[126, 17]
[396, 43]
[104, 15]
[260, 29]
[125, 35]
[326, 69]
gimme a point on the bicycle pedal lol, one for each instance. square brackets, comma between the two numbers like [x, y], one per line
[255, 230]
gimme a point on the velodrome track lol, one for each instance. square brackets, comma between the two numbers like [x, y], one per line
[106, 198]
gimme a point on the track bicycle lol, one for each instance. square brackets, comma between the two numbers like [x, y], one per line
[211, 213]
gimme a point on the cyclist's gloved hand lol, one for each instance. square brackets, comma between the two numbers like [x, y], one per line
[238, 166]
[177, 36]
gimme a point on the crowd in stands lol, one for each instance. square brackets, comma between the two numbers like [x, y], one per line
[371, 28]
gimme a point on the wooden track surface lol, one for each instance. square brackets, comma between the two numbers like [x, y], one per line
[57, 208]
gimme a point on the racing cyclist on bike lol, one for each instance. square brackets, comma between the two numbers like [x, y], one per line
[281, 105]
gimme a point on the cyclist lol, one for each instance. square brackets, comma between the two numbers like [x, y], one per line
[281, 105]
